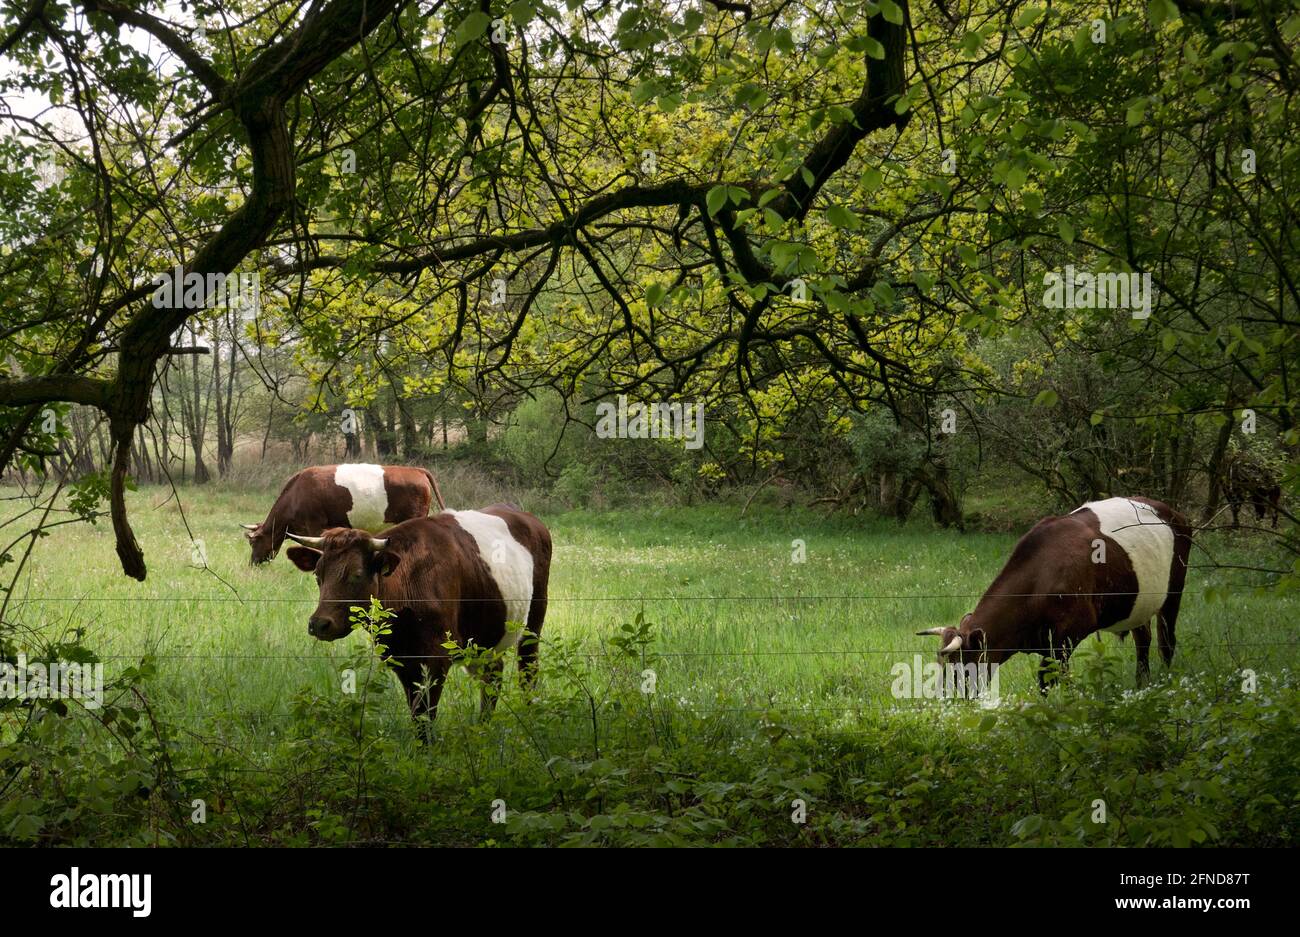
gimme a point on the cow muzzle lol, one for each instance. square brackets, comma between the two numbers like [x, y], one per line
[322, 629]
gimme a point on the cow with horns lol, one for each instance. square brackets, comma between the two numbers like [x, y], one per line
[358, 495]
[469, 578]
[1110, 565]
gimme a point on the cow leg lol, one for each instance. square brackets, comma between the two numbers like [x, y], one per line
[1061, 647]
[528, 644]
[1142, 641]
[423, 690]
[1165, 621]
[1048, 672]
[1051, 667]
[489, 673]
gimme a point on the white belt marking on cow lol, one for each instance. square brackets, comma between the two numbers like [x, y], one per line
[510, 563]
[369, 499]
[1149, 543]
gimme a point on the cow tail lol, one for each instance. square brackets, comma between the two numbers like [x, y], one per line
[437, 494]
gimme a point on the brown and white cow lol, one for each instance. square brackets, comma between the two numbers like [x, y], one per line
[1109, 565]
[469, 577]
[366, 497]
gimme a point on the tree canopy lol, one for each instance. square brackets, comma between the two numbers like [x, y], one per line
[800, 210]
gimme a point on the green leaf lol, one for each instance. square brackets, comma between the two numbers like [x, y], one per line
[750, 95]
[716, 198]
[1082, 39]
[522, 12]
[645, 91]
[472, 27]
[1066, 230]
[872, 178]
[1136, 112]
[1081, 130]
[1046, 398]
[1162, 11]
[892, 12]
[841, 114]
[843, 217]
[1028, 16]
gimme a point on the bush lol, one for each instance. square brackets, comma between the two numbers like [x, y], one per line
[1201, 759]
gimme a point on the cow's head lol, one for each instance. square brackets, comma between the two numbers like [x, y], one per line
[348, 565]
[261, 539]
[964, 644]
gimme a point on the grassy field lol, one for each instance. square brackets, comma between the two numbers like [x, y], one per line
[748, 629]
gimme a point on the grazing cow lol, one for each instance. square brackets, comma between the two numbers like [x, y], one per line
[1109, 566]
[367, 497]
[1248, 482]
[468, 577]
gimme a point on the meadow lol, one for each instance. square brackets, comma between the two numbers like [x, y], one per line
[766, 641]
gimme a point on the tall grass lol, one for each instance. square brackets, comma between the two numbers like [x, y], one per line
[749, 628]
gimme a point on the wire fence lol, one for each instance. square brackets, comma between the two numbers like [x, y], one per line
[1186, 640]
[667, 597]
[919, 648]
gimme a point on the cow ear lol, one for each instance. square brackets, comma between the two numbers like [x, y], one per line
[384, 562]
[305, 558]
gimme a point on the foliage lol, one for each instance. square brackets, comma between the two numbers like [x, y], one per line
[792, 213]
[1193, 760]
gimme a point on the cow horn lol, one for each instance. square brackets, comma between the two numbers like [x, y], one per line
[953, 645]
[376, 544]
[250, 526]
[314, 542]
[934, 631]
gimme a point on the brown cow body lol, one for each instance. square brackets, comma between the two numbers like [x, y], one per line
[469, 577]
[1110, 565]
[357, 495]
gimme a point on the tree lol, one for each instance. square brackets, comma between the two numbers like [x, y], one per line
[771, 206]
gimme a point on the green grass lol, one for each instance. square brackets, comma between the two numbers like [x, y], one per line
[744, 637]
[729, 604]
